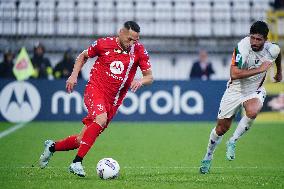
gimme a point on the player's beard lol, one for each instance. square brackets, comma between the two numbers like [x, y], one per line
[121, 44]
[125, 48]
[256, 48]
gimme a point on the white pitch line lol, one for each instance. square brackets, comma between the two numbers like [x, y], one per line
[126, 167]
[12, 129]
[239, 167]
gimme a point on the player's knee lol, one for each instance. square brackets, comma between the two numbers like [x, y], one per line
[101, 120]
[253, 110]
[252, 113]
[221, 129]
[79, 139]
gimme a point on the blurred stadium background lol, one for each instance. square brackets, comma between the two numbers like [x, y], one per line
[173, 31]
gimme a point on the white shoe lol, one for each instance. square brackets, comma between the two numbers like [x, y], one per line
[77, 169]
[46, 155]
[231, 147]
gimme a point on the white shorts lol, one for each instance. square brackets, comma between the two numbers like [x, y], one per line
[233, 100]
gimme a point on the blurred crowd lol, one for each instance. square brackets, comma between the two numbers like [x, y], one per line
[41, 64]
[202, 68]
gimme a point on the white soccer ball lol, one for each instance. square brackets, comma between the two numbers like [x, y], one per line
[108, 168]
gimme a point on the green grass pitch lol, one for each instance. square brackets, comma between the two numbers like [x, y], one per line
[151, 155]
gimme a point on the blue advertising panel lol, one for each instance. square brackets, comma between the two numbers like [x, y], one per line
[162, 101]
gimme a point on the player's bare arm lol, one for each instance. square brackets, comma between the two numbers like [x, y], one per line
[147, 79]
[237, 73]
[278, 76]
[80, 61]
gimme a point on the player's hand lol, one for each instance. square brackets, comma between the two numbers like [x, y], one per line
[135, 85]
[265, 66]
[70, 83]
[278, 77]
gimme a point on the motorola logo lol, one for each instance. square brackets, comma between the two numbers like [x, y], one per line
[19, 102]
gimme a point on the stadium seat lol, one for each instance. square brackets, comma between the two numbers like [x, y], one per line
[7, 26]
[46, 17]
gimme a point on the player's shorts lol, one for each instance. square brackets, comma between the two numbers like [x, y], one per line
[96, 105]
[233, 100]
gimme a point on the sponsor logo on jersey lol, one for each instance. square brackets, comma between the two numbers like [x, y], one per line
[116, 67]
[114, 76]
[19, 102]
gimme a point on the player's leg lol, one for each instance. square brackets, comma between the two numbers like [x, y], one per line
[94, 123]
[252, 106]
[229, 105]
[216, 135]
[88, 137]
[90, 134]
[97, 121]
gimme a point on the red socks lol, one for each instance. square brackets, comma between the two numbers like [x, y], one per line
[88, 139]
[69, 143]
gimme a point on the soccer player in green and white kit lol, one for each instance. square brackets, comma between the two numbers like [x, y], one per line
[251, 59]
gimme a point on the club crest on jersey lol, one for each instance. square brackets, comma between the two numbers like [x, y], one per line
[116, 67]
[238, 57]
[94, 44]
[145, 52]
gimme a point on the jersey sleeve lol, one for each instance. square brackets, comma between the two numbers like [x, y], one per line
[144, 60]
[94, 49]
[274, 51]
[237, 59]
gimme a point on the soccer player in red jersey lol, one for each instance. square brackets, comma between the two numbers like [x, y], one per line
[111, 76]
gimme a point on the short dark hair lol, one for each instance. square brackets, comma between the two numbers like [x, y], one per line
[132, 25]
[259, 27]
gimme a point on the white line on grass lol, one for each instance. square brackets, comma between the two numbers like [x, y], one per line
[126, 167]
[12, 129]
[239, 167]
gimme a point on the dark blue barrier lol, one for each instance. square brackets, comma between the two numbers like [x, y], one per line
[162, 101]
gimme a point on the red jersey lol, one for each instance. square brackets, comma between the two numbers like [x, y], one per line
[114, 69]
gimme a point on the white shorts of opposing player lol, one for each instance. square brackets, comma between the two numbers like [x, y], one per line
[233, 100]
